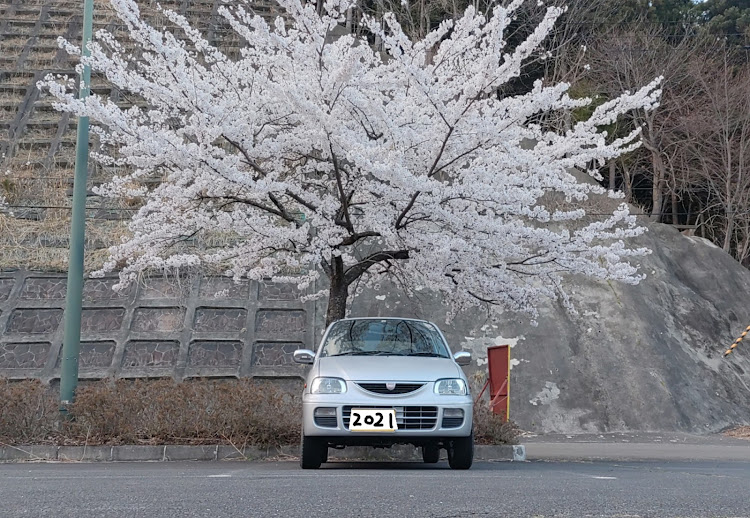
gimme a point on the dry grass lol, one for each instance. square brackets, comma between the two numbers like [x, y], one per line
[26, 16]
[45, 116]
[23, 241]
[741, 432]
[10, 96]
[12, 46]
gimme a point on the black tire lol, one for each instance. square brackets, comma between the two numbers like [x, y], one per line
[324, 454]
[311, 456]
[430, 454]
[461, 452]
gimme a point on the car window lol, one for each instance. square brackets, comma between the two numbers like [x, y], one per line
[384, 337]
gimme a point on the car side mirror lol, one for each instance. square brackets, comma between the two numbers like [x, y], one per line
[462, 358]
[304, 356]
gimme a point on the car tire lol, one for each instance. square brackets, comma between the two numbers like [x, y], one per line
[431, 453]
[324, 454]
[311, 454]
[461, 452]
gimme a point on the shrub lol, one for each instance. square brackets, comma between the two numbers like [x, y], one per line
[238, 412]
[28, 412]
[489, 428]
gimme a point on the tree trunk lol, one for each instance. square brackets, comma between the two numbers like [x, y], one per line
[338, 293]
[660, 171]
[340, 278]
[627, 184]
[658, 187]
[612, 175]
[729, 233]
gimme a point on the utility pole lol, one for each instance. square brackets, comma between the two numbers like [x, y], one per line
[74, 295]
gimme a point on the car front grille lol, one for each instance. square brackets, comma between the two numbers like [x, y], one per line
[326, 421]
[407, 417]
[452, 422]
[400, 388]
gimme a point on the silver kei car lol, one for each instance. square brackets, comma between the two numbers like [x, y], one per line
[384, 381]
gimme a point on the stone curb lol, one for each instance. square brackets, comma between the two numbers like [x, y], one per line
[176, 452]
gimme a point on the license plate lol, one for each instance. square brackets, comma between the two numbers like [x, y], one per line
[372, 420]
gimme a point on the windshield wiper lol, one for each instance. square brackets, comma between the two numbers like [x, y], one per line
[368, 353]
[435, 355]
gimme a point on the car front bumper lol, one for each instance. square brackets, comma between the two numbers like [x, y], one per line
[419, 414]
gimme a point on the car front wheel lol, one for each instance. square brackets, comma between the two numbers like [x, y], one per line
[461, 452]
[313, 452]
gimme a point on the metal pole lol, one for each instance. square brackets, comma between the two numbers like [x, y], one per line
[74, 295]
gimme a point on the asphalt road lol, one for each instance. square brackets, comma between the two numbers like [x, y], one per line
[219, 489]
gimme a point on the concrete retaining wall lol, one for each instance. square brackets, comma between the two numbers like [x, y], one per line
[206, 326]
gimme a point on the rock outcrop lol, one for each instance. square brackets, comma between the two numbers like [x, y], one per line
[646, 357]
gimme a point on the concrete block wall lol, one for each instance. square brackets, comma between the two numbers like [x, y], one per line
[199, 327]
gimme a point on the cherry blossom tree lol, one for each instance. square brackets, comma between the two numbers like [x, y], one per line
[322, 155]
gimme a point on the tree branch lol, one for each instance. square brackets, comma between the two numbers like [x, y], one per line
[406, 210]
[248, 160]
[442, 149]
[280, 212]
[355, 271]
[353, 238]
[347, 221]
[301, 201]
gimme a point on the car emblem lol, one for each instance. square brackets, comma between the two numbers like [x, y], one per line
[390, 386]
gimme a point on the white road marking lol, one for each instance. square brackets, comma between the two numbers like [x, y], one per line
[223, 475]
[605, 478]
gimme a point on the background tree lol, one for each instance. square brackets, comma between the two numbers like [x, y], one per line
[717, 149]
[408, 165]
[620, 61]
[727, 18]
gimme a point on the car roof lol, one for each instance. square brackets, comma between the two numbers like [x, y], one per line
[384, 318]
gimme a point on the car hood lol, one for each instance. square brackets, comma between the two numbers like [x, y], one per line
[388, 368]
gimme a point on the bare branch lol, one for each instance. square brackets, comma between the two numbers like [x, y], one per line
[355, 271]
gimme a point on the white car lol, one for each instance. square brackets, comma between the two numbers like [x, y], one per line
[384, 381]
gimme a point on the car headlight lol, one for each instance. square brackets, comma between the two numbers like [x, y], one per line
[328, 386]
[450, 387]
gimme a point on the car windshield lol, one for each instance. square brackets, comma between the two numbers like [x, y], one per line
[387, 337]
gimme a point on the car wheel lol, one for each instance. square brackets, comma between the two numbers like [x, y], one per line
[324, 453]
[430, 453]
[311, 456]
[461, 452]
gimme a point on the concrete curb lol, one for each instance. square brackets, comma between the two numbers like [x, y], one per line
[176, 452]
[590, 451]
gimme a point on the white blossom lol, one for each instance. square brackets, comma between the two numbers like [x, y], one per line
[406, 163]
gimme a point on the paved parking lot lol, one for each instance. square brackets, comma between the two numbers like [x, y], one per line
[221, 489]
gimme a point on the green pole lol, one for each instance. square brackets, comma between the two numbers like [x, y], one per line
[74, 295]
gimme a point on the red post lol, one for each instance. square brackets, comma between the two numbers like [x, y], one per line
[498, 363]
